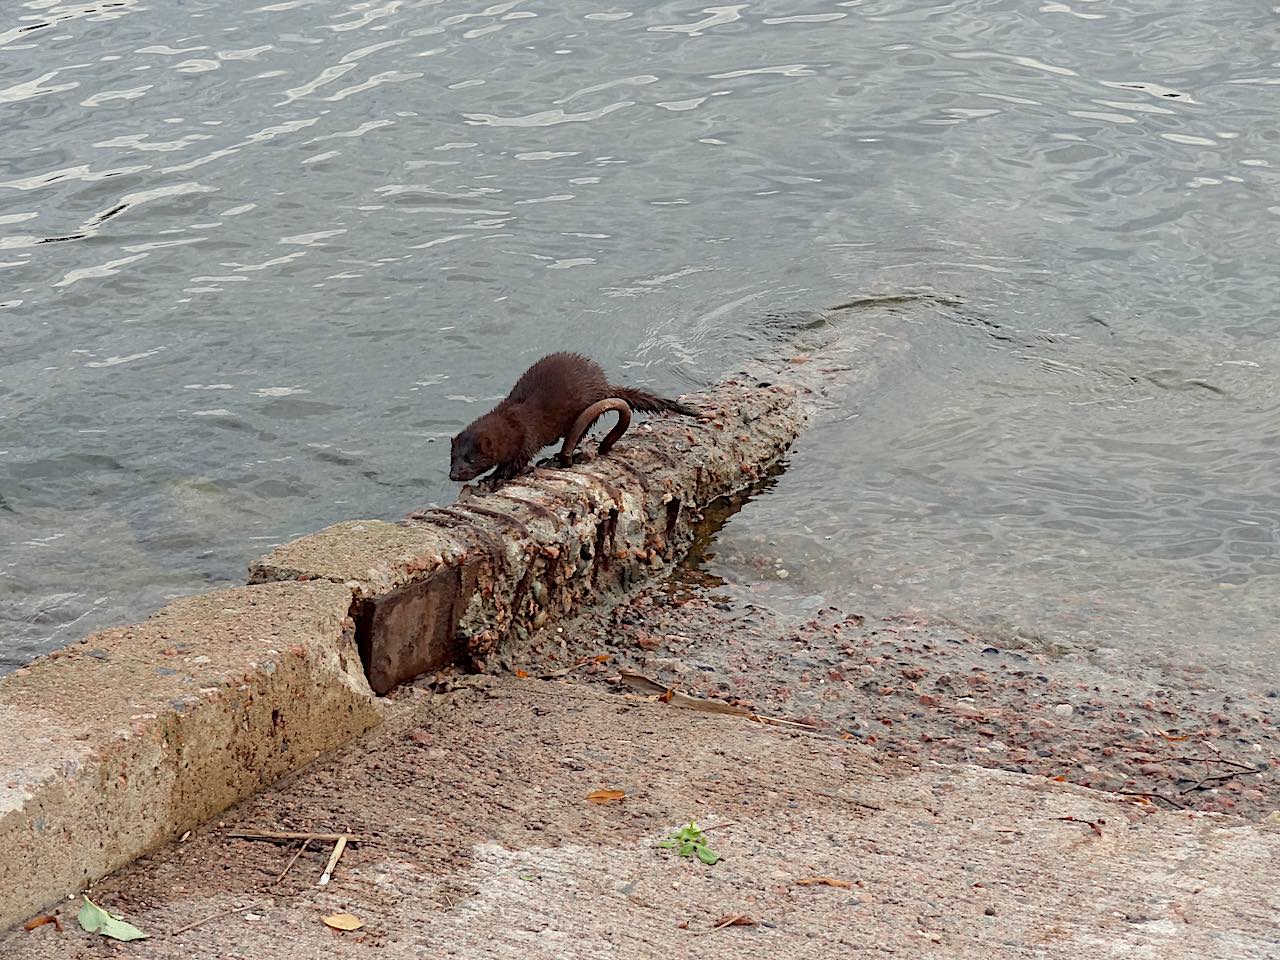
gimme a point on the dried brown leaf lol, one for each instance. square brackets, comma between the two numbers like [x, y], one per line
[343, 921]
[40, 921]
[605, 796]
[825, 882]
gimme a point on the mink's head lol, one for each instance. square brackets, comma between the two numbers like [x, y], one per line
[472, 452]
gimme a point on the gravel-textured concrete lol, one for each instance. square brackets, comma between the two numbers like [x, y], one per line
[482, 844]
[134, 735]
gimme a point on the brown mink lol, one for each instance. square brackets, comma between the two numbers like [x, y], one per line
[540, 409]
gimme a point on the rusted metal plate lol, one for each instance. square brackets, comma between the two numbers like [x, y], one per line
[412, 630]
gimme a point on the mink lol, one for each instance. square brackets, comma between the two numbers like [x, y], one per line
[540, 409]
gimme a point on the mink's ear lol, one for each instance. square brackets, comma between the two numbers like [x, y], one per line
[484, 445]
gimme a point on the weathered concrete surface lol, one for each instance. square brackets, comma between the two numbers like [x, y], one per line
[468, 578]
[484, 846]
[136, 734]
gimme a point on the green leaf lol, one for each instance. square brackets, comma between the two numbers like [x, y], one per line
[686, 849]
[707, 855]
[96, 920]
[668, 843]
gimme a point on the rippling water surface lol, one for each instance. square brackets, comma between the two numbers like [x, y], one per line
[258, 262]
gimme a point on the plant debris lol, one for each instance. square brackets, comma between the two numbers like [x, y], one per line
[605, 796]
[824, 882]
[342, 921]
[1094, 825]
[689, 841]
[732, 920]
[93, 919]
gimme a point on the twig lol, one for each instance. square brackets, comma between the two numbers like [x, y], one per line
[761, 718]
[1218, 776]
[733, 920]
[564, 672]
[718, 826]
[1223, 760]
[333, 861]
[1094, 825]
[292, 861]
[1154, 796]
[273, 835]
[212, 916]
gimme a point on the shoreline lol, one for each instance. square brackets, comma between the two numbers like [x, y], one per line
[1162, 734]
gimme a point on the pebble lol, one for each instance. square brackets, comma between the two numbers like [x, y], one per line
[1064, 710]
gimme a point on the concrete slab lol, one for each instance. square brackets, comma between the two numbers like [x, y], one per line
[483, 845]
[133, 735]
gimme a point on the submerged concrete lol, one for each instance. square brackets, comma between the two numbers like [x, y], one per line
[466, 580]
[132, 736]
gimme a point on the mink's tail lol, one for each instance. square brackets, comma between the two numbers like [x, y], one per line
[651, 403]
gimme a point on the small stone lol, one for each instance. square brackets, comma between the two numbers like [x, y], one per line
[1064, 710]
[648, 641]
[990, 911]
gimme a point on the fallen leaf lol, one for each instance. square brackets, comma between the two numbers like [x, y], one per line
[93, 919]
[522, 674]
[343, 921]
[733, 920]
[825, 882]
[36, 922]
[605, 796]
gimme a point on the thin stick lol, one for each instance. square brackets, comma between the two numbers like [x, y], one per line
[760, 718]
[333, 861]
[273, 835]
[212, 916]
[1214, 779]
[292, 861]
[1223, 760]
[1153, 796]
[733, 920]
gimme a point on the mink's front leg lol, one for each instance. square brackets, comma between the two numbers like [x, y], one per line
[510, 469]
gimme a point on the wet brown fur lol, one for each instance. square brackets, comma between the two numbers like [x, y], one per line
[540, 409]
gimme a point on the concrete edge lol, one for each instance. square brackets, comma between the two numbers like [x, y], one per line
[125, 740]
